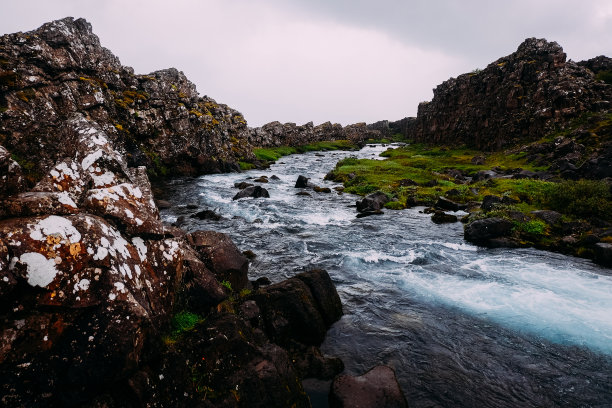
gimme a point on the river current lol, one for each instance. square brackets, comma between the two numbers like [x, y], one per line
[462, 326]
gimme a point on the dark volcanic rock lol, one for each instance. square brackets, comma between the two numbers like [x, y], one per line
[549, 217]
[253, 191]
[207, 215]
[446, 204]
[481, 232]
[276, 134]
[376, 388]
[300, 309]
[221, 256]
[440, 217]
[301, 182]
[518, 97]
[67, 71]
[372, 202]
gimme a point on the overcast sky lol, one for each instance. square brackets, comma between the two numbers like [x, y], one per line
[345, 61]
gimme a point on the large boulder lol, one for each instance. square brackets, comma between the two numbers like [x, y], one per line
[300, 309]
[252, 191]
[221, 256]
[481, 232]
[376, 388]
[87, 299]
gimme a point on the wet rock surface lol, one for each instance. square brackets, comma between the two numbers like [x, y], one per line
[376, 388]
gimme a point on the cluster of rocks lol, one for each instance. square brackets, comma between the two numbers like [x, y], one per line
[498, 225]
[156, 120]
[277, 134]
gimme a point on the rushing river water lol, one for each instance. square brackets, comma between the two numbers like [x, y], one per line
[462, 326]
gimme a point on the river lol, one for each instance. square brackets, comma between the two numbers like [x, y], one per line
[462, 326]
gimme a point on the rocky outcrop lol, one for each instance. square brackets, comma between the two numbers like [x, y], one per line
[157, 120]
[91, 280]
[277, 134]
[520, 97]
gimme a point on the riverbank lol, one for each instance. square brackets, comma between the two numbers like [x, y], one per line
[526, 203]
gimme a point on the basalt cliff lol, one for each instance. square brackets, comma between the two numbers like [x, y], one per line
[518, 98]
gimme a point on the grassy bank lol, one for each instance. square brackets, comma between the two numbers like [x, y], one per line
[418, 175]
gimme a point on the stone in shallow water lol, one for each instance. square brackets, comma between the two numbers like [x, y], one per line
[375, 389]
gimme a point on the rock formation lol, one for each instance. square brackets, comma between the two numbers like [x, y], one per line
[156, 120]
[91, 280]
[276, 134]
[518, 98]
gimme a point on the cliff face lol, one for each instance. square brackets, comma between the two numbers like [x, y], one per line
[276, 134]
[518, 98]
[157, 120]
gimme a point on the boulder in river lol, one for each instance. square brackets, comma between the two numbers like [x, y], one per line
[301, 182]
[374, 389]
[253, 191]
[440, 217]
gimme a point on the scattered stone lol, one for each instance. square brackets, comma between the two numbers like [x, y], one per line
[163, 204]
[549, 217]
[262, 179]
[440, 217]
[444, 203]
[207, 215]
[302, 193]
[603, 253]
[489, 202]
[192, 206]
[368, 213]
[253, 191]
[481, 232]
[372, 202]
[249, 254]
[407, 182]
[242, 185]
[321, 189]
[302, 182]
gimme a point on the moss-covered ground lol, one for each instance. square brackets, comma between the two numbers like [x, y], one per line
[417, 174]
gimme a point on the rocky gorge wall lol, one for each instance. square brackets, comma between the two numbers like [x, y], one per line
[92, 281]
[515, 99]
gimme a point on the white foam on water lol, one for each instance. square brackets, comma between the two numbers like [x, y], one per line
[560, 304]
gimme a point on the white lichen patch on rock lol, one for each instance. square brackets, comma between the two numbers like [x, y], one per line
[141, 247]
[56, 226]
[40, 270]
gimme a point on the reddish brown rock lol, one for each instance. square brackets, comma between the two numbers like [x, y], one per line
[375, 389]
[221, 256]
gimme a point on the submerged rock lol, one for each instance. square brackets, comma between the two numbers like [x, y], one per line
[253, 191]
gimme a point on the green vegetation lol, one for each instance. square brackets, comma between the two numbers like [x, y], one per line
[420, 174]
[227, 284]
[246, 166]
[584, 199]
[605, 76]
[275, 153]
[181, 323]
